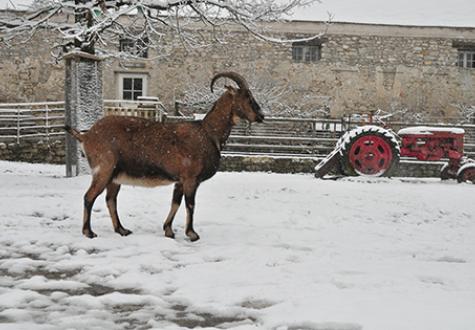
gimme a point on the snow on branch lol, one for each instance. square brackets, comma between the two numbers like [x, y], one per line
[96, 25]
[399, 114]
[466, 113]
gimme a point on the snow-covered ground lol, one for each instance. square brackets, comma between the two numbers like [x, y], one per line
[276, 252]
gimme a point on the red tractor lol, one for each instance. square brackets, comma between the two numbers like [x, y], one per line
[375, 151]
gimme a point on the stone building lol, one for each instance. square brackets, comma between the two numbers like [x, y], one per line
[352, 68]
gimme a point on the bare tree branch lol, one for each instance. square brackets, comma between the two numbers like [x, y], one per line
[466, 113]
[96, 24]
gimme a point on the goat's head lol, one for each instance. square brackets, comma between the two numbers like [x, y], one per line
[244, 104]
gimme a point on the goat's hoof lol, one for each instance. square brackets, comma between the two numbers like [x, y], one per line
[169, 232]
[193, 236]
[123, 232]
[89, 233]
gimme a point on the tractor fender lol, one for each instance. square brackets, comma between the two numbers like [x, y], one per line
[348, 136]
[467, 164]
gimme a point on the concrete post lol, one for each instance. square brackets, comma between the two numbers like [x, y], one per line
[83, 103]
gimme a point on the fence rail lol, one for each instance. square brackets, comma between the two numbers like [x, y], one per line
[153, 110]
[31, 120]
[298, 137]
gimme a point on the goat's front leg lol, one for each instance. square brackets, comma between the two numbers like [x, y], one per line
[111, 201]
[176, 201]
[189, 188]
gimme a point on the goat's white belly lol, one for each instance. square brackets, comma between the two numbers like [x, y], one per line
[143, 182]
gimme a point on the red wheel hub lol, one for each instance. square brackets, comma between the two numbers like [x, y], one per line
[371, 155]
[468, 175]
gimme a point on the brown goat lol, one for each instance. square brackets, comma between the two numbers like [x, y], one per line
[136, 151]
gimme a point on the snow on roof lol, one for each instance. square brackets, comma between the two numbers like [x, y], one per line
[429, 130]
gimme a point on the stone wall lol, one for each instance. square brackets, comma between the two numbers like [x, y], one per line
[231, 163]
[363, 68]
[50, 151]
[28, 73]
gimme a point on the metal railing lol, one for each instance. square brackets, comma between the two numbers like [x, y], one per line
[31, 120]
[278, 135]
[45, 120]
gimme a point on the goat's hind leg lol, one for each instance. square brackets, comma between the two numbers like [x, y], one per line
[190, 188]
[176, 201]
[99, 183]
[111, 201]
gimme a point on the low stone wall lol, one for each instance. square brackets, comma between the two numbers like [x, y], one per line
[231, 163]
[50, 151]
[411, 168]
[407, 168]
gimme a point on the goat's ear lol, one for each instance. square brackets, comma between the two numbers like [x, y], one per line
[231, 89]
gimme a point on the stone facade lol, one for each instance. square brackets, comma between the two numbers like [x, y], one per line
[363, 67]
[28, 73]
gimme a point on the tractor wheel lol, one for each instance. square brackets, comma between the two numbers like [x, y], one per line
[444, 172]
[466, 173]
[369, 151]
[449, 170]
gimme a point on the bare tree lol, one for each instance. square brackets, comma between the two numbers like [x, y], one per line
[93, 26]
[276, 99]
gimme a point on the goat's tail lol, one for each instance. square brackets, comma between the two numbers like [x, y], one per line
[74, 132]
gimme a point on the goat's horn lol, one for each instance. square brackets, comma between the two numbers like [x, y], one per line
[237, 78]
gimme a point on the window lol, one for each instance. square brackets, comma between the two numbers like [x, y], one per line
[305, 54]
[466, 58]
[465, 53]
[131, 86]
[133, 47]
[307, 51]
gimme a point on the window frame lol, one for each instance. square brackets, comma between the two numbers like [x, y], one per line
[463, 60]
[133, 76]
[307, 51]
[137, 48]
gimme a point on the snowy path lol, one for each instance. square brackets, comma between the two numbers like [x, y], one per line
[276, 252]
